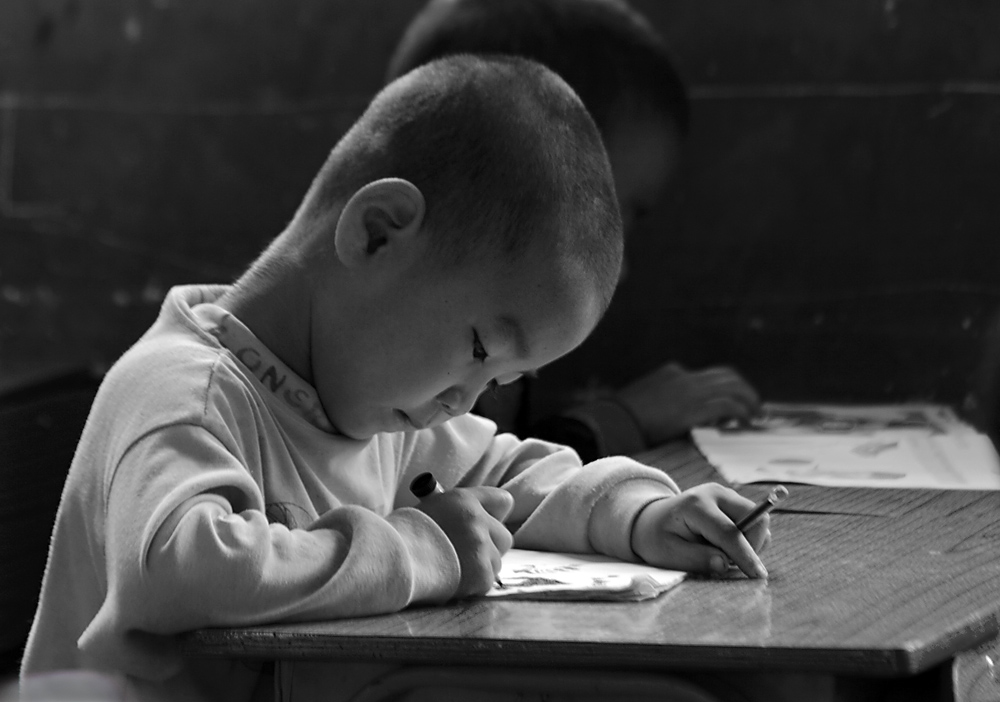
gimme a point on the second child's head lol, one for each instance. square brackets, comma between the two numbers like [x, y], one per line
[611, 56]
[463, 232]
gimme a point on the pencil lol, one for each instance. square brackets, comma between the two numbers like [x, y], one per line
[424, 485]
[763, 507]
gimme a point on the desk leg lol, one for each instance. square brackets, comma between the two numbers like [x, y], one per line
[975, 674]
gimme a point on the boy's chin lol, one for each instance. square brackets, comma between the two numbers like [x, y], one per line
[396, 422]
[368, 432]
[354, 432]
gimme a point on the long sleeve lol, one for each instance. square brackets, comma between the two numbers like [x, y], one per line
[559, 503]
[189, 546]
[202, 496]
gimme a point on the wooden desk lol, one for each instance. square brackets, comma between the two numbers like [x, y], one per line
[862, 582]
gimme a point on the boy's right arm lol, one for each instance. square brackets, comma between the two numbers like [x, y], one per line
[188, 545]
[473, 518]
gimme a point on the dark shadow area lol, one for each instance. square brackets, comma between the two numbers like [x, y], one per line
[40, 423]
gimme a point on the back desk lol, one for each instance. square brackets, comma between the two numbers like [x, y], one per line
[862, 582]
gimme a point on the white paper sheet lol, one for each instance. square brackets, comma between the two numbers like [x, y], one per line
[542, 575]
[900, 446]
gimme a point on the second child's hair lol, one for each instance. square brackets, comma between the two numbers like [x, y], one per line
[505, 155]
[609, 53]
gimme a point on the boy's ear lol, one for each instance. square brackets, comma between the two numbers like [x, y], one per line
[385, 212]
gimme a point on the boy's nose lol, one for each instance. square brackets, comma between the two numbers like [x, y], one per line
[456, 401]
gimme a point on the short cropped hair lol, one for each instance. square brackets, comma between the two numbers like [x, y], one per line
[505, 156]
[608, 52]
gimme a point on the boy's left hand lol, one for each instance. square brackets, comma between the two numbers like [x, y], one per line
[696, 531]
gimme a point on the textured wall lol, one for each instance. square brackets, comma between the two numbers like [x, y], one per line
[146, 144]
[834, 236]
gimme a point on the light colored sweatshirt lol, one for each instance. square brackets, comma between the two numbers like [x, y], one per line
[208, 490]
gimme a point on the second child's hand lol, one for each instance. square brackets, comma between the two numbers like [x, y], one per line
[696, 531]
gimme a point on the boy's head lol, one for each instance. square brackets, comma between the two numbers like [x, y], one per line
[464, 231]
[608, 53]
[501, 152]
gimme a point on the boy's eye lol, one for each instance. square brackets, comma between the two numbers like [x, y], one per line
[478, 350]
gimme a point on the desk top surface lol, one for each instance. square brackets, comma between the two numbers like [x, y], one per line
[862, 581]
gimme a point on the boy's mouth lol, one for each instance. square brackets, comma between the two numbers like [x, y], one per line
[407, 420]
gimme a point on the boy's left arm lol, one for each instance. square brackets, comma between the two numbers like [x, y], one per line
[624, 509]
[594, 508]
[696, 531]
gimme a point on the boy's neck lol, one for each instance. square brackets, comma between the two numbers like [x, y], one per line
[275, 307]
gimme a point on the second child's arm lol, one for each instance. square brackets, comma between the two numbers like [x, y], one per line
[671, 400]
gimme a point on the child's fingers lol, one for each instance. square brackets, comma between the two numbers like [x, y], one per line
[502, 539]
[697, 531]
[721, 409]
[696, 557]
[496, 501]
[675, 552]
[725, 381]
[735, 507]
[719, 529]
[744, 393]
[759, 534]
[691, 531]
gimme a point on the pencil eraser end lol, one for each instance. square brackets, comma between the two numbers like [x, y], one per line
[423, 485]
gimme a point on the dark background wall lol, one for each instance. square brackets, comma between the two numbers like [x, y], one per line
[834, 235]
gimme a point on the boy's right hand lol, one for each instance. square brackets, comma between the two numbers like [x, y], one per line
[472, 518]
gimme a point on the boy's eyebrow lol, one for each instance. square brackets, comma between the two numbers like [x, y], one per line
[513, 332]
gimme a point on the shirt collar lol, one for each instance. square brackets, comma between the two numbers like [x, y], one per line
[276, 377]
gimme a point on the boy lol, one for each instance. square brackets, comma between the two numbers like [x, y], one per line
[619, 66]
[247, 460]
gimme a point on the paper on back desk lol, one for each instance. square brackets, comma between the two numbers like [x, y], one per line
[893, 446]
[543, 575]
